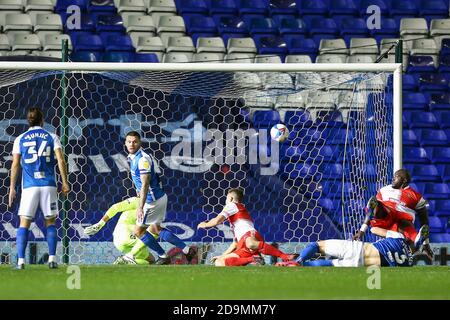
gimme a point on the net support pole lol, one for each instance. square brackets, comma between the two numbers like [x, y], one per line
[398, 124]
[64, 143]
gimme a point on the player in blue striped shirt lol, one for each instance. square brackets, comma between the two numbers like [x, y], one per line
[152, 207]
[36, 152]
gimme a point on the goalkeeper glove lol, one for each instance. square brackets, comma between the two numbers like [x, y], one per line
[91, 230]
[371, 205]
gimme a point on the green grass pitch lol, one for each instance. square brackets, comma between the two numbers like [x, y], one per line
[207, 282]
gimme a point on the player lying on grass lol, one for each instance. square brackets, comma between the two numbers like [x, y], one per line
[393, 251]
[249, 243]
[397, 205]
[123, 235]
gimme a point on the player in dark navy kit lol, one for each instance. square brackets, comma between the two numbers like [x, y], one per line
[37, 151]
[393, 251]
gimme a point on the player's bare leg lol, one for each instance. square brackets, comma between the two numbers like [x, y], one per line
[233, 259]
[52, 240]
[22, 240]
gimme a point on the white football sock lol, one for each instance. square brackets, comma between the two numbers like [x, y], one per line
[21, 261]
[51, 259]
[186, 250]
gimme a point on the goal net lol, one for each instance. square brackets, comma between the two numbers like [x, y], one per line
[209, 130]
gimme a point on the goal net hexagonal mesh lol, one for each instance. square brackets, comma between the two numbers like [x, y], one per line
[209, 131]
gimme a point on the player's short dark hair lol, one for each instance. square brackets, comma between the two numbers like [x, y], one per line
[238, 193]
[35, 117]
[133, 134]
[405, 174]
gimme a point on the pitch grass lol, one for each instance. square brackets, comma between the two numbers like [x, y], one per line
[207, 282]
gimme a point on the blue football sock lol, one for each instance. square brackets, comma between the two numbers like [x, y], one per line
[21, 239]
[318, 263]
[150, 242]
[309, 252]
[52, 239]
[167, 235]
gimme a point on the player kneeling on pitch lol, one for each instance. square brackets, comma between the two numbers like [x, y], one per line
[393, 251]
[249, 244]
[123, 235]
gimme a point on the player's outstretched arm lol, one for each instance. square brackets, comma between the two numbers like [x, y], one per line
[62, 170]
[211, 223]
[371, 204]
[15, 168]
[229, 250]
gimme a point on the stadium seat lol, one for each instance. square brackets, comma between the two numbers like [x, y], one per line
[138, 23]
[415, 155]
[118, 56]
[424, 173]
[86, 24]
[241, 45]
[314, 7]
[103, 6]
[403, 8]
[439, 238]
[191, 7]
[270, 44]
[289, 26]
[389, 29]
[436, 191]
[435, 225]
[253, 7]
[150, 44]
[239, 57]
[283, 7]
[433, 82]
[146, 57]
[110, 23]
[265, 119]
[61, 5]
[118, 43]
[343, 8]
[424, 47]
[444, 64]
[443, 118]
[88, 43]
[440, 101]
[48, 22]
[421, 120]
[363, 46]
[442, 208]
[227, 24]
[162, 6]
[433, 9]
[420, 64]
[297, 119]
[381, 4]
[215, 57]
[440, 155]
[131, 6]
[433, 137]
[210, 44]
[25, 42]
[86, 56]
[222, 7]
[409, 83]
[180, 44]
[415, 101]
[265, 58]
[178, 57]
[17, 22]
[444, 171]
[440, 27]
[353, 27]
[297, 59]
[261, 25]
[200, 24]
[335, 46]
[333, 171]
[302, 46]
[323, 26]
[410, 138]
[171, 24]
[331, 58]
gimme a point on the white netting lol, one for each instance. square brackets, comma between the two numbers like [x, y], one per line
[209, 131]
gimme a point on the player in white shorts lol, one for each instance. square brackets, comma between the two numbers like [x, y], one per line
[37, 151]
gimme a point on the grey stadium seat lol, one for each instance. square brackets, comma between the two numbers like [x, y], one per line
[332, 46]
[210, 44]
[266, 58]
[140, 23]
[17, 22]
[48, 22]
[298, 58]
[180, 44]
[162, 6]
[240, 57]
[26, 42]
[212, 57]
[177, 57]
[54, 42]
[150, 44]
[131, 6]
[241, 45]
[363, 46]
[39, 5]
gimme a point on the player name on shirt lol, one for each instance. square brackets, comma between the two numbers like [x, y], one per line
[41, 135]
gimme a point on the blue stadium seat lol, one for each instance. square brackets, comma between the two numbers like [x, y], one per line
[227, 24]
[118, 43]
[331, 171]
[330, 154]
[323, 26]
[88, 43]
[270, 44]
[433, 82]
[421, 120]
[335, 136]
[432, 137]
[403, 9]
[343, 7]
[409, 83]
[444, 64]
[110, 23]
[330, 118]
[410, 138]
[440, 101]
[435, 225]
[291, 26]
[389, 29]
[299, 170]
[86, 56]
[118, 56]
[283, 7]
[442, 208]
[313, 7]
[61, 5]
[420, 64]
[436, 191]
[434, 9]
[253, 6]
[444, 170]
[222, 7]
[415, 101]
[443, 118]
[439, 237]
[354, 27]
[424, 173]
[265, 118]
[415, 155]
[297, 45]
[305, 136]
[292, 153]
[419, 187]
[261, 25]
[146, 57]
[86, 23]
[102, 6]
[364, 4]
[297, 119]
[191, 6]
[440, 155]
[200, 24]
[445, 49]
